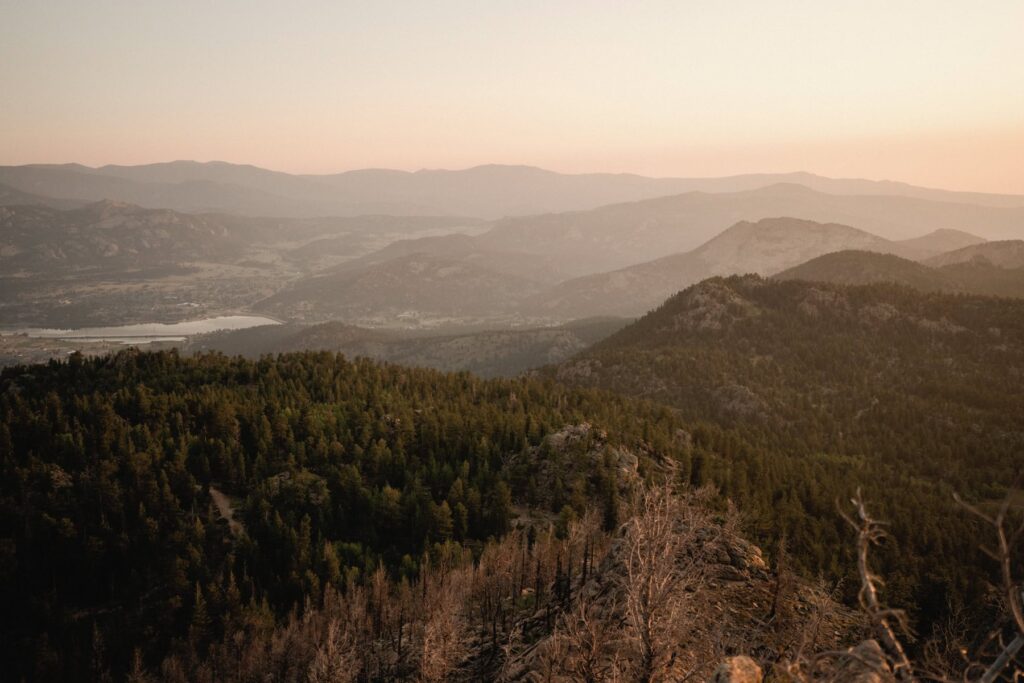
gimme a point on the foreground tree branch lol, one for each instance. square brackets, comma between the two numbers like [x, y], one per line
[1006, 540]
[870, 532]
[887, 621]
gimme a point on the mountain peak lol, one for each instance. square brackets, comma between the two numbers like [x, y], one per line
[499, 170]
[952, 232]
[786, 188]
[110, 205]
[1003, 254]
[785, 227]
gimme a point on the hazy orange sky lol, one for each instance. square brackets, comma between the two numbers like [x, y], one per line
[929, 92]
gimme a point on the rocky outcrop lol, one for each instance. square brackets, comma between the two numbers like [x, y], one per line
[816, 300]
[578, 370]
[571, 454]
[713, 305]
[740, 669]
[739, 400]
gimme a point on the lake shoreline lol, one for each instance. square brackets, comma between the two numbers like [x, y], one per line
[142, 333]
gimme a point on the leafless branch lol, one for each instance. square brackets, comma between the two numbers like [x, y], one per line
[869, 533]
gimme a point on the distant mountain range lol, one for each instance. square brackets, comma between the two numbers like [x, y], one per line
[854, 267]
[625, 258]
[109, 262]
[11, 196]
[434, 280]
[962, 271]
[433, 270]
[488, 353]
[109, 235]
[764, 247]
[416, 289]
[469, 249]
[421, 289]
[456, 279]
[621, 235]
[942, 241]
[1004, 254]
[491, 191]
[116, 235]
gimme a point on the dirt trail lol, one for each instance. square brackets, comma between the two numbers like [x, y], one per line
[223, 504]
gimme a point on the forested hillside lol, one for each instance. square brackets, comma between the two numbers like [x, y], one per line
[153, 506]
[146, 499]
[156, 507]
[912, 396]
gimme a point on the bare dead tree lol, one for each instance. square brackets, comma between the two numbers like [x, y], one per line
[784, 581]
[662, 568]
[888, 622]
[550, 664]
[589, 634]
[511, 650]
[443, 642]
[885, 620]
[337, 659]
[1008, 536]
[493, 586]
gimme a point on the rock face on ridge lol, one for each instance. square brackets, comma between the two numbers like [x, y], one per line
[741, 669]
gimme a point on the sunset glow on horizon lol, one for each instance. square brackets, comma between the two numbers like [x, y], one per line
[930, 93]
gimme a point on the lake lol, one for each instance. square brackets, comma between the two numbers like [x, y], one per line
[144, 333]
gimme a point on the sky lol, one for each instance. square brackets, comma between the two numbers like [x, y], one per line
[928, 92]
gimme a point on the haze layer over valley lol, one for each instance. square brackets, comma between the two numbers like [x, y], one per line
[457, 264]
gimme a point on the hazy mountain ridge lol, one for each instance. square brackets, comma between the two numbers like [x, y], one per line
[85, 184]
[491, 191]
[550, 249]
[327, 251]
[1002, 254]
[111, 262]
[318, 269]
[764, 247]
[109, 234]
[852, 267]
[466, 248]
[417, 288]
[520, 271]
[977, 276]
[621, 235]
[943, 240]
[487, 353]
[11, 196]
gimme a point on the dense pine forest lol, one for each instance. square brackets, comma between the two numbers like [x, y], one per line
[156, 506]
[113, 470]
